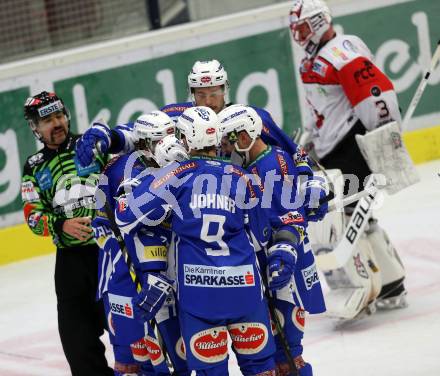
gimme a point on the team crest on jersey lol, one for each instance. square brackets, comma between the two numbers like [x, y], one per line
[139, 350]
[44, 179]
[280, 318]
[210, 345]
[298, 318]
[248, 337]
[154, 351]
[319, 67]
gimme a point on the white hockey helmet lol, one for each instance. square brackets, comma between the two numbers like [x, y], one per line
[208, 73]
[152, 127]
[200, 127]
[169, 149]
[238, 117]
[309, 20]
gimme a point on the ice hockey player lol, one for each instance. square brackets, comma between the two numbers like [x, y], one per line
[218, 283]
[136, 349]
[208, 86]
[289, 251]
[57, 194]
[348, 95]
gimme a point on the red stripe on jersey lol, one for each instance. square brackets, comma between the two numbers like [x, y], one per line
[318, 71]
[361, 79]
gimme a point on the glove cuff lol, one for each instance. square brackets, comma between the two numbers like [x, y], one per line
[284, 247]
[159, 282]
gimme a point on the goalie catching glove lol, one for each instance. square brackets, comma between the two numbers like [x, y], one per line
[155, 289]
[281, 265]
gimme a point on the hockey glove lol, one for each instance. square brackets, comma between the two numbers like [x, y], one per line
[315, 198]
[86, 146]
[281, 263]
[155, 289]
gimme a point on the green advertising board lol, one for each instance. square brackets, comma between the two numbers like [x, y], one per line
[261, 72]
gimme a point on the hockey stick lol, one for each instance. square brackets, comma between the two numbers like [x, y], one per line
[339, 256]
[279, 328]
[336, 204]
[421, 88]
[117, 232]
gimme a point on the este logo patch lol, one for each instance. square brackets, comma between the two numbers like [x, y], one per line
[248, 337]
[210, 345]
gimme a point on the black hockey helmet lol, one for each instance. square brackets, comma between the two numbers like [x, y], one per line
[41, 105]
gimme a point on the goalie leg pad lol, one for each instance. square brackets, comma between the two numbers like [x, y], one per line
[390, 265]
[355, 286]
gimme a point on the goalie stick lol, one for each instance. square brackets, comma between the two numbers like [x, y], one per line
[339, 256]
[421, 88]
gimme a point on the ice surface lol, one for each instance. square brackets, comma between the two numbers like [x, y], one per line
[396, 343]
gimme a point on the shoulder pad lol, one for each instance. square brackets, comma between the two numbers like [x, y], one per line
[343, 49]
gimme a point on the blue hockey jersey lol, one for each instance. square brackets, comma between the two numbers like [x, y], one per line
[147, 247]
[271, 134]
[283, 209]
[212, 206]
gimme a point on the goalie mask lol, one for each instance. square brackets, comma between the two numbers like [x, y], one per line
[41, 106]
[309, 20]
[208, 74]
[151, 128]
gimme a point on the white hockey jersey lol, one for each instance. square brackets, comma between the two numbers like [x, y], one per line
[342, 85]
